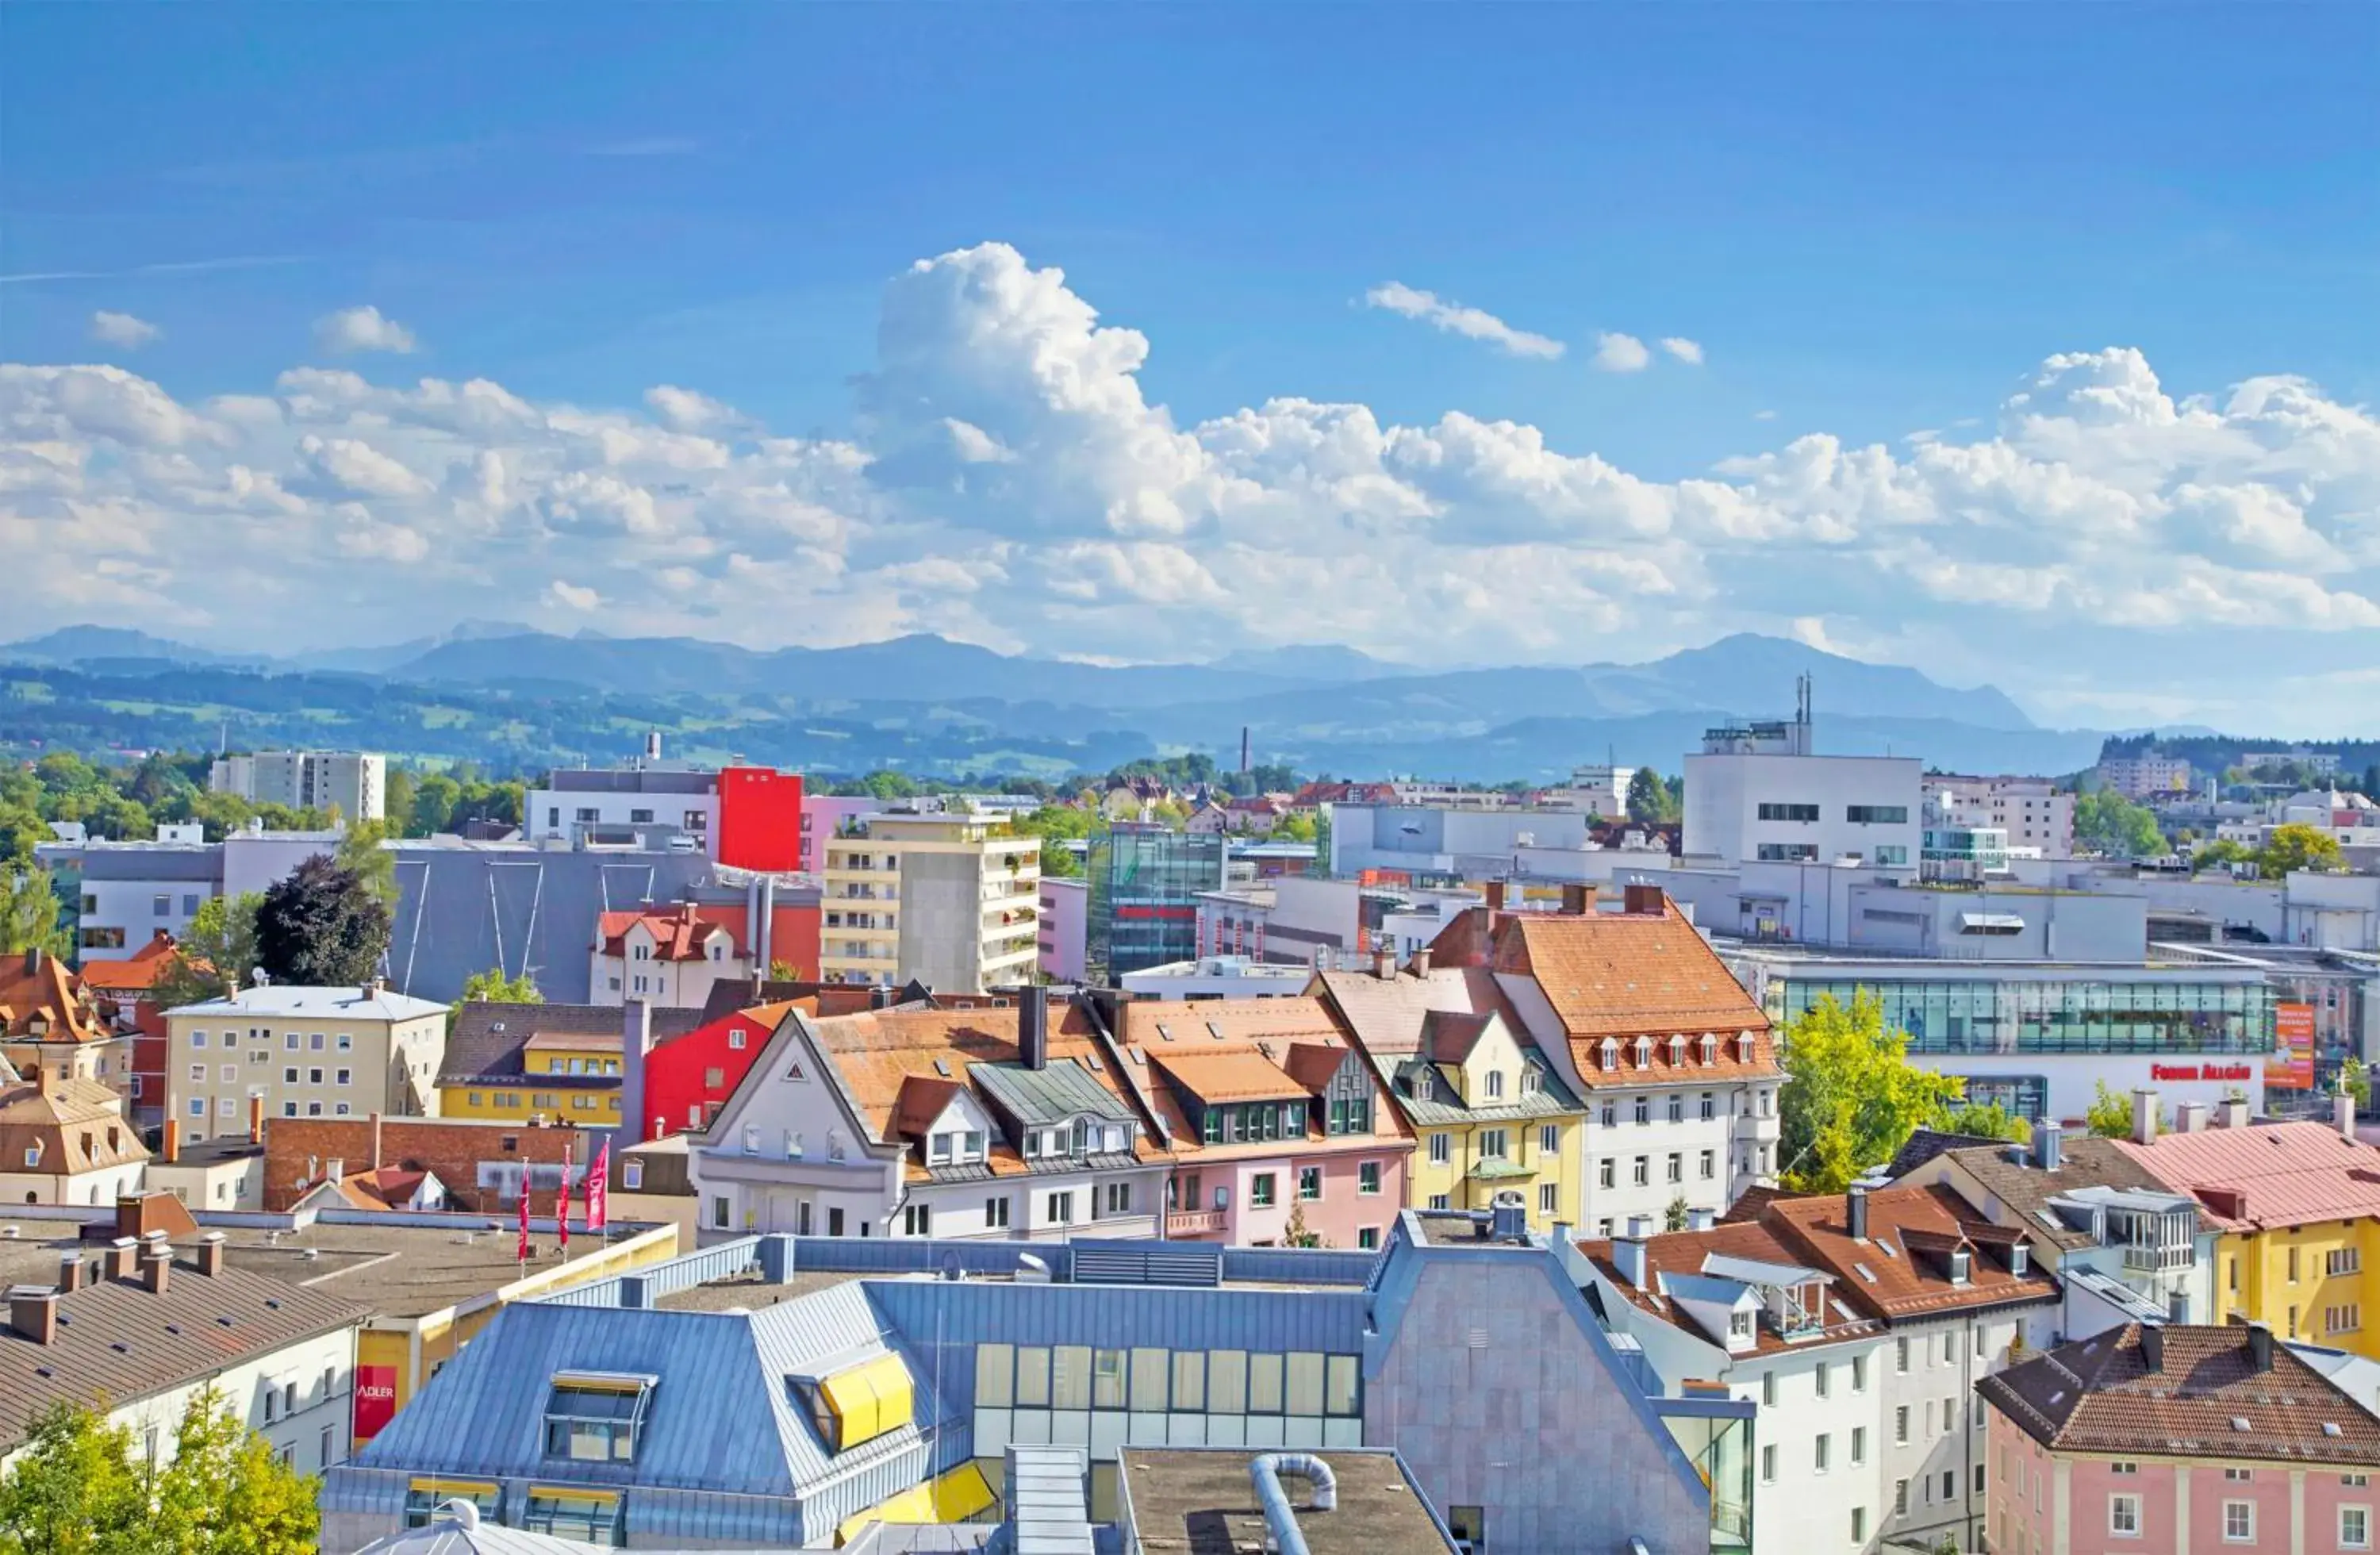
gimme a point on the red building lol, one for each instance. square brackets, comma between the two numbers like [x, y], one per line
[759, 820]
[688, 1078]
[121, 987]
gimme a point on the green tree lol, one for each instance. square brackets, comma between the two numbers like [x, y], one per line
[1985, 1120]
[2299, 847]
[214, 953]
[492, 987]
[2104, 821]
[73, 1488]
[29, 914]
[226, 1492]
[2110, 1116]
[783, 971]
[321, 925]
[2220, 854]
[396, 803]
[1851, 1097]
[435, 800]
[1297, 1233]
[1650, 800]
[1055, 824]
[1297, 828]
[1674, 1218]
[361, 855]
[2355, 1080]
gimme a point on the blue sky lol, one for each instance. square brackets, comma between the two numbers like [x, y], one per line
[1875, 221]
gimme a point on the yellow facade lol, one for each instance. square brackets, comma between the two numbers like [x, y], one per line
[2312, 1282]
[573, 1100]
[1510, 1131]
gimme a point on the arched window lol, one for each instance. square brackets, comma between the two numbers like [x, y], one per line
[1612, 1052]
[1710, 1047]
[1677, 1051]
[1744, 1047]
[1644, 1052]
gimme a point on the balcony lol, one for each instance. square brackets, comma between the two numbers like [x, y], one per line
[1195, 1223]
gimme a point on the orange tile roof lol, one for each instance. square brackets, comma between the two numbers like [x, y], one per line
[1684, 1252]
[1229, 1076]
[2269, 1175]
[679, 934]
[36, 983]
[1291, 1038]
[135, 973]
[79, 1126]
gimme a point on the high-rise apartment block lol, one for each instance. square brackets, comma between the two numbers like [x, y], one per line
[951, 901]
[354, 782]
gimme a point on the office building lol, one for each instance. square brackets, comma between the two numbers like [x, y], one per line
[2036, 815]
[354, 783]
[1146, 882]
[745, 817]
[301, 1052]
[128, 893]
[2156, 1438]
[1761, 793]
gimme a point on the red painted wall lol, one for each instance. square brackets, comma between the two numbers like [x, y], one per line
[677, 1073]
[760, 819]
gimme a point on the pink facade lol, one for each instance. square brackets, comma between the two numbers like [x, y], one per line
[1217, 1200]
[2168, 1506]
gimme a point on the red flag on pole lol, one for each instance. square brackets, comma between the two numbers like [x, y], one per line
[562, 1208]
[598, 1189]
[522, 1256]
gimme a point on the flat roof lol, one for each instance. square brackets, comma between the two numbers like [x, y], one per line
[1197, 1501]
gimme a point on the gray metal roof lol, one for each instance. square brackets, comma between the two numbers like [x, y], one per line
[154, 861]
[293, 1002]
[1048, 1512]
[1051, 1094]
[448, 1535]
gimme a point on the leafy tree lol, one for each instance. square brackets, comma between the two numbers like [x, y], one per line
[29, 917]
[2299, 847]
[396, 803]
[492, 987]
[216, 951]
[435, 800]
[1650, 800]
[2220, 854]
[2355, 1080]
[361, 855]
[1297, 828]
[1986, 1121]
[2106, 822]
[1851, 1097]
[783, 971]
[1297, 1233]
[1674, 1217]
[1055, 823]
[321, 925]
[77, 1485]
[2110, 1116]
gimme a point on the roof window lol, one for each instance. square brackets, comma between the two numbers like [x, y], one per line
[596, 1416]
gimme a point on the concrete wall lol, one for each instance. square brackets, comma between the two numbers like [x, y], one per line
[941, 921]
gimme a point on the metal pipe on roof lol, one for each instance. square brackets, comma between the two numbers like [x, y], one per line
[1281, 1518]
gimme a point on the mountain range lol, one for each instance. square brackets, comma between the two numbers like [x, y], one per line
[1319, 708]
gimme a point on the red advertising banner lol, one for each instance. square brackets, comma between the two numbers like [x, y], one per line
[375, 1401]
[2291, 1065]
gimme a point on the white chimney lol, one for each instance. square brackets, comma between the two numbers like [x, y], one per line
[2342, 1112]
[2190, 1117]
[2145, 1116]
[1628, 1252]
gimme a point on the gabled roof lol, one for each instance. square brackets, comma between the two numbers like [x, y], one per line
[135, 973]
[36, 983]
[1230, 1077]
[1389, 1018]
[1448, 1035]
[2026, 1190]
[1745, 1245]
[2206, 1397]
[2266, 1176]
[1626, 974]
[680, 933]
[489, 1038]
[1244, 1050]
[77, 1126]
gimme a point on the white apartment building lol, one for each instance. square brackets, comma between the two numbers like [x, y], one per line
[668, 957]
[1679, 1070]
[2146, 776]
[1859, 1326]
[354, 782]
[580, 802]
[1602, 788]
[1758, 793]
[294, 1051]
[2037, 816]
[130, 889]
[951, 901]
[999, 1123]
[1064, 928]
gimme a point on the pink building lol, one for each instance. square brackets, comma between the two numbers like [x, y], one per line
[2193, 1440]
[1276, 1121]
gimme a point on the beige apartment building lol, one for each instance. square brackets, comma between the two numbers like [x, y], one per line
[951, 901]
[301, 1052]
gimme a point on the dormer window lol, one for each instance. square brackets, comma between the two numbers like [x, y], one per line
[1961, 1262]
[2020, 1259]
[1495, 1084]
[1531, 1081]
[1644, 1052]
[1739, 1325]
[1744, 1047]
[937, 1149]
[592, 1416]
[1677, 1051]
[1710, 1047]
[1612, 1052]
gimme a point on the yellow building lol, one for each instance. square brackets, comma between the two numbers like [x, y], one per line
[1490, 1114]
[558, 1062]
[292, 1052]
[2298, 1209]
[951, 901]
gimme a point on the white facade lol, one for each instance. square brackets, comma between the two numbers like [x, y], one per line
[128, 891]
[2037, 816]
[577, 801]
[1219, 977]
[1601, 789]
[952, 901]
[1745, 807]
[101, 1186]
[640, 971]
[1427, 840]
[1064, 932]
[353, 782]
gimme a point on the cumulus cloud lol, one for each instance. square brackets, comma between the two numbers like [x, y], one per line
[1686, 350]
[1619, 353]
[122, 330]
[1009, 480]
[361, 329]
[1476, 323]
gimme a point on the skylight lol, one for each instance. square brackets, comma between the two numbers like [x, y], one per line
[2238, 1422]
[1865, 1273]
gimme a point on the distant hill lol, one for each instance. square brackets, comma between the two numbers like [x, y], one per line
[926, 700]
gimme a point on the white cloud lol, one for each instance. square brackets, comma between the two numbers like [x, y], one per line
[1619, 353]
[1763, 415]
[1473, 323]
[361, 329]
[1009, 481]
[1686, 350]
[122, 330]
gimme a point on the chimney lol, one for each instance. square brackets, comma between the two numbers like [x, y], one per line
[1628, 1252]
[2152, 1347]
[1577, 898]
[157, 1269]
[211, 1254]
[1642, 899]
[34, 962]
[636, 1046]
[2233, 1112]
[123, 1256]
[33, 1312]
[1421, 962]
[2259, 1347]
[1700, 1220]
[2342, 1112]
[70, 1272]
[1384, 963]
[374, 1121]
[2145, 1116]
[1856, 1212]
[2190, 1117]
[2048, 1144]
[172, 1148]
[1032, 1028]
[1495, 896]
[256, 1120]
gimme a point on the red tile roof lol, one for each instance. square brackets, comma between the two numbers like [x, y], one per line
[2274, 1175]
[135, 973]
[35, 983]
[1225, 1043]
[681, 933]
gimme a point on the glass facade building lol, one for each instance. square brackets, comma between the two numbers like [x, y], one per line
[2012, 1014]
[1144, 886]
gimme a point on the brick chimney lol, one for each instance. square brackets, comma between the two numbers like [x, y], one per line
[1495, 896]
[1642, 899]
[211, 1254]
[70, 1272]
[33, 1312]
[157, 1269]
[1578, 898]
[123, 1258]
[1421, 962]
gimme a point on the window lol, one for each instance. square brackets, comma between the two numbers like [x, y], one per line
[2124, 1516]
[1309, 1182]
[1859, 1524]
[2343, 1260]
[1710, 1103]
[1642, 1169]
[1900, 1498]
[1877, 815]
[2343, 1319]
[1062, 1207]
[1607, 1170]
[288, 1076]
[199, 1038]
[2293, 1266]
[995, 1212]
[1859, 1445]
[313, 1077]
[1260, 1191]
[1549, 1139]
[1610, 1114]
[719, 1212]
[1644, 1109]
[1548, 1198]
[2354, 1527]
[1468, 1524]
[1769, 1465]
[1677, 1106]
[918, 1220]
[1677, 1164]
[346, 1077]
[590, 1518]
[1901, 1425]
[1789, 812]
[1495, 1084]
[1367, 1177]
[1787, 852]
[1495, 1144]
[595, 1417]
[2239, 1522]
[199, 1074]
[2239, 1476]
[1440, 1149]
[1439, 1201]
[1709, 1163]
[1859, 1374]
[1901, 1361]
[1823, 1376]
[1820, 1451]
